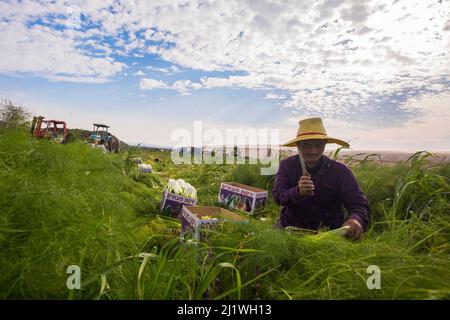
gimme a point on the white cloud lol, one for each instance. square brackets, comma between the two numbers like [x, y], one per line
[148, 84]
[51, 54]
[174, 69]
[274, 96]
[168, 70]
[157, 69]
[79, 79]
[250, 81]
[287, 44]
[428, 131]
[184, 86]
[139, 73]
[334, 57]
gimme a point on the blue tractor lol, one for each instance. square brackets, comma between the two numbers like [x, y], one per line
[101, 136]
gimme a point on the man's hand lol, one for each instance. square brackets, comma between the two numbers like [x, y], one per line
[355, 230]
[305, 186]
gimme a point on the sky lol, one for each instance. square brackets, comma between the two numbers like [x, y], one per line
[376, 72]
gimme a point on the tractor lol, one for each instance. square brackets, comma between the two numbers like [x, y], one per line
[101, 137]
[54, 130]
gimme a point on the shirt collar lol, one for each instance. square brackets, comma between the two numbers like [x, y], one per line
[321, 167]
[325, 163]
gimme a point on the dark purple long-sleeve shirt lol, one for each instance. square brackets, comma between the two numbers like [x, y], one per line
[335, 187]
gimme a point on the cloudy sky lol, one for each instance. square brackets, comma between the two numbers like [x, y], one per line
[377, 72]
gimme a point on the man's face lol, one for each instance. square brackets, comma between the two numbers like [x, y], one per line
[312, 149]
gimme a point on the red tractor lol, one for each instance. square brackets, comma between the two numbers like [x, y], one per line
[50, 129]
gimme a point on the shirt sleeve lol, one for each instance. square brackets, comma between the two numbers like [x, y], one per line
[354, 200]
[283, 192]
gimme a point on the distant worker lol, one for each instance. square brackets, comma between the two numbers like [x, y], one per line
[316, 198]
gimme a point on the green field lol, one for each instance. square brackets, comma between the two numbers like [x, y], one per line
[63, 205]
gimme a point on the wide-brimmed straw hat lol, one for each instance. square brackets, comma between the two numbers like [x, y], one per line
[313, 128]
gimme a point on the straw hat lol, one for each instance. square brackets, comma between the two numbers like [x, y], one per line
[313, 128]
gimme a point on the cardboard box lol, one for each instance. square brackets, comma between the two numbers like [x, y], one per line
[192, 218]
[172, 203]
[242, 197]
[144, 167]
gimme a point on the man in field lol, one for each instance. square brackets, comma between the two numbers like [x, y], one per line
[316, 198]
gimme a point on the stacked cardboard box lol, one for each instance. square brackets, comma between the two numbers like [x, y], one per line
[172, 203]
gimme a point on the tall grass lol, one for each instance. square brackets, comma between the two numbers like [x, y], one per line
[60, 205]
[63, 205]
